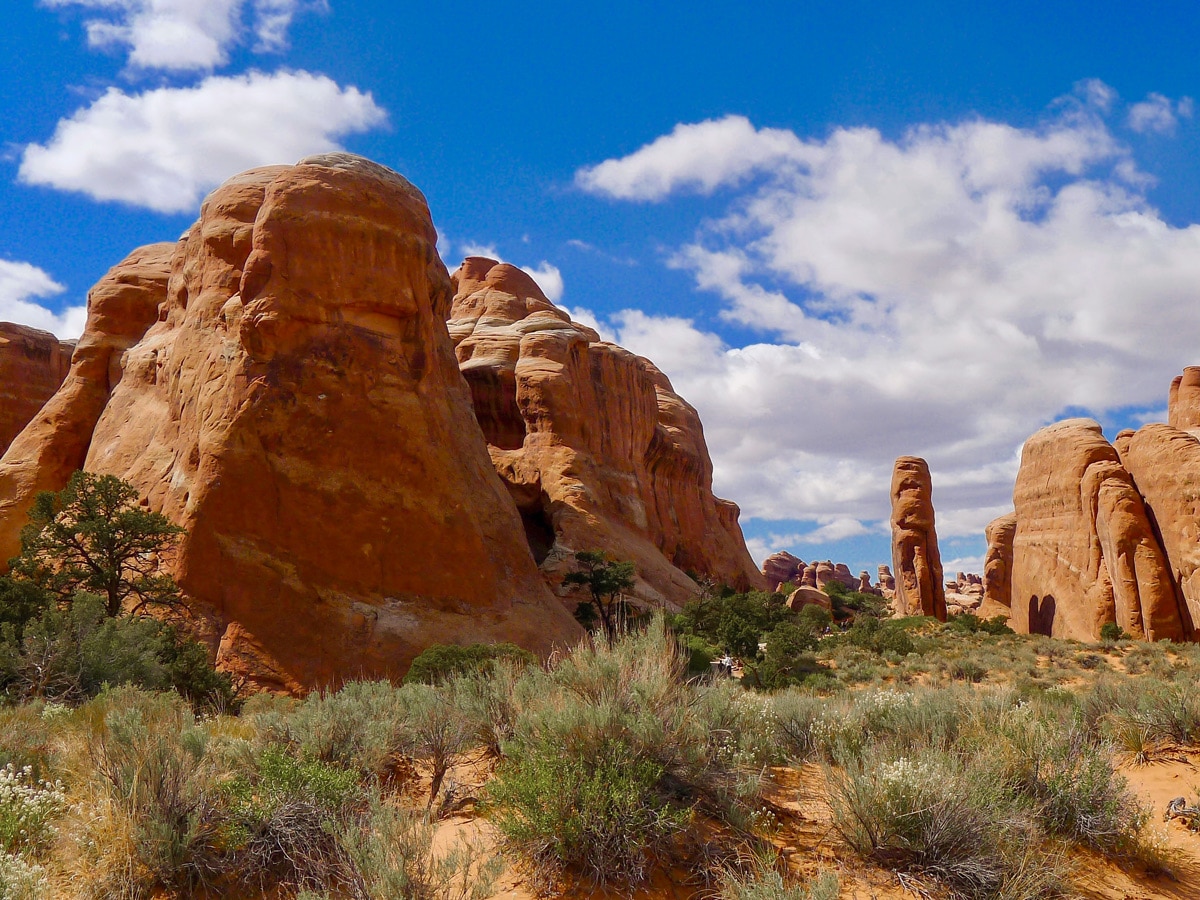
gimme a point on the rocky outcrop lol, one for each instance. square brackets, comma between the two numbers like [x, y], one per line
[593, 444]
[997, 566]
[121, 306]
[887, 581]
[1165, 464]
[808, 596]
[298, 408]
[915, 557]
[32, 365]
[1183, 400]
[781, 569]
[1084, 552]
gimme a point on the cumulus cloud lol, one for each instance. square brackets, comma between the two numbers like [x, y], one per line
[1158, 114]
[185, 35]
[22, 283]
[163, 149]
[548, 278]
[942, 294]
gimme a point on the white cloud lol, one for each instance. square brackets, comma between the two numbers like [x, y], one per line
[1158, 114]
[487, 251]
[20, 284]
[943, 294]
[548, 278]
[186, 35]
[163, 149]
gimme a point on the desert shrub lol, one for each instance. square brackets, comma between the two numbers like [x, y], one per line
[608, 761]
[1111, 632]
[607, 816]
[437, 730]
[966, 670]
[972, 624]
[283, 819]
[880, 637]
[787, 659]
[1163, 711]
[150, 759]
[391, 849]
[764, 882]
[490, 702]
[800, 723]
[931, 812]
[71, 654]
[700, 653]
[363, 726]
[441, 661]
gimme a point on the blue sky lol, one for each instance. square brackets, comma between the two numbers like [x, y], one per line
[847, 231]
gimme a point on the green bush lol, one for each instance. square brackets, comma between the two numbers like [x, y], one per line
[441, 661]
[880, 637]
[787, 659]
[1111, 632]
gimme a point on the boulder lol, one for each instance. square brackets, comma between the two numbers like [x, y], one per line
[32, 365]
[808, 578]
[121, 306]
[1084, 552]
[915, 556]
[595, 447]
[808, 596]
[298, 408]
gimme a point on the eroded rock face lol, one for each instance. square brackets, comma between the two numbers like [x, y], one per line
[782, 568]
[1165, 464]
[32, 365]
[997, 566]
[1084, 552]
[915, 557]
[121, 306]
[595, 447]
[1183, 402]
[298, 409]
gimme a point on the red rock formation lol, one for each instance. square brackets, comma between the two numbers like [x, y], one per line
[809, 596]
[887, 582]
[915, 556]
[595, 447]
[782, 568]
[121, 306]
[997, 566]
[1165, 464]
[1183, 404]
[1084, 552]
[32, 365]
[299, 410]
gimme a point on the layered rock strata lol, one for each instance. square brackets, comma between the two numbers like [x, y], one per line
[916, 560]
[595, 447]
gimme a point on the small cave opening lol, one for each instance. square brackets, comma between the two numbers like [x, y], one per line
[534, 507]
[1041, 615]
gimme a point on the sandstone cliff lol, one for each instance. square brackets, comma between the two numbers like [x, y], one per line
[282, 382]
[595, 447]
[32, 365]
[121, 306]
[915, 556]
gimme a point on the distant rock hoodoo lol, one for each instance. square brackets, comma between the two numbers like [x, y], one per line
[916, 561]
[357, 478]
[32, 365]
